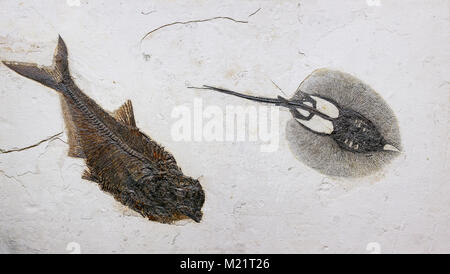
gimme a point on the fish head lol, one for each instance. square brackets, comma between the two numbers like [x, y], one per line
[169, 198]
[189, 197]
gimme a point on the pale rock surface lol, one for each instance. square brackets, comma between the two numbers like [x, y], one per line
[255, 201]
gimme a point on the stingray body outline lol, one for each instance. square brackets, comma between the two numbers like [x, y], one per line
[351, 130]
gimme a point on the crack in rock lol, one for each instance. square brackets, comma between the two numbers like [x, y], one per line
[255, 12]
[193, 21]
[174, 238]
[147, 13]
[31, 146]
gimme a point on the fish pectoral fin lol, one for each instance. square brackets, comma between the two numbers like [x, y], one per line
[125, 114]
[87, 175]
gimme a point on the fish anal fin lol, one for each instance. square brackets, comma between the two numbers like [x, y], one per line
[75, 152]
[75, 149]
[125, 114]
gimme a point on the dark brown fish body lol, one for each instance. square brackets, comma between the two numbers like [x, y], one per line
[125, 162]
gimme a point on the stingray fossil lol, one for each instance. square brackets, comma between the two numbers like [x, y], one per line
[336, 125]
[125, 162]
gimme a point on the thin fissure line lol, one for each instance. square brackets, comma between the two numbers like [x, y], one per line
[255, 12]
[278, 87]
[147, 13]
[193, 21]
[31, 146]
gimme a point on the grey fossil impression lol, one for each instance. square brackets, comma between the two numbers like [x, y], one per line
[340, 126]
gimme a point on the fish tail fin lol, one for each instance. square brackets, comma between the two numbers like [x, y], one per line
[52, 76]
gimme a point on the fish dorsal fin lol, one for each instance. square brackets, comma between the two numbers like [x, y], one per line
[125, 114]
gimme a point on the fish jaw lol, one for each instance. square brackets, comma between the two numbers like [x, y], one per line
[389, 147]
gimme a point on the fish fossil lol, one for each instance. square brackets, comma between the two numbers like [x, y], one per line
[348, 128]
[340, 126]
[125, 162]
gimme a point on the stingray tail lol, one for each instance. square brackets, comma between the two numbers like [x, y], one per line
[279, 101]
[52, 76]
[249, 97]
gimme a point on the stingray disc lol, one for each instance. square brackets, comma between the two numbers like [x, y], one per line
[321, 152]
